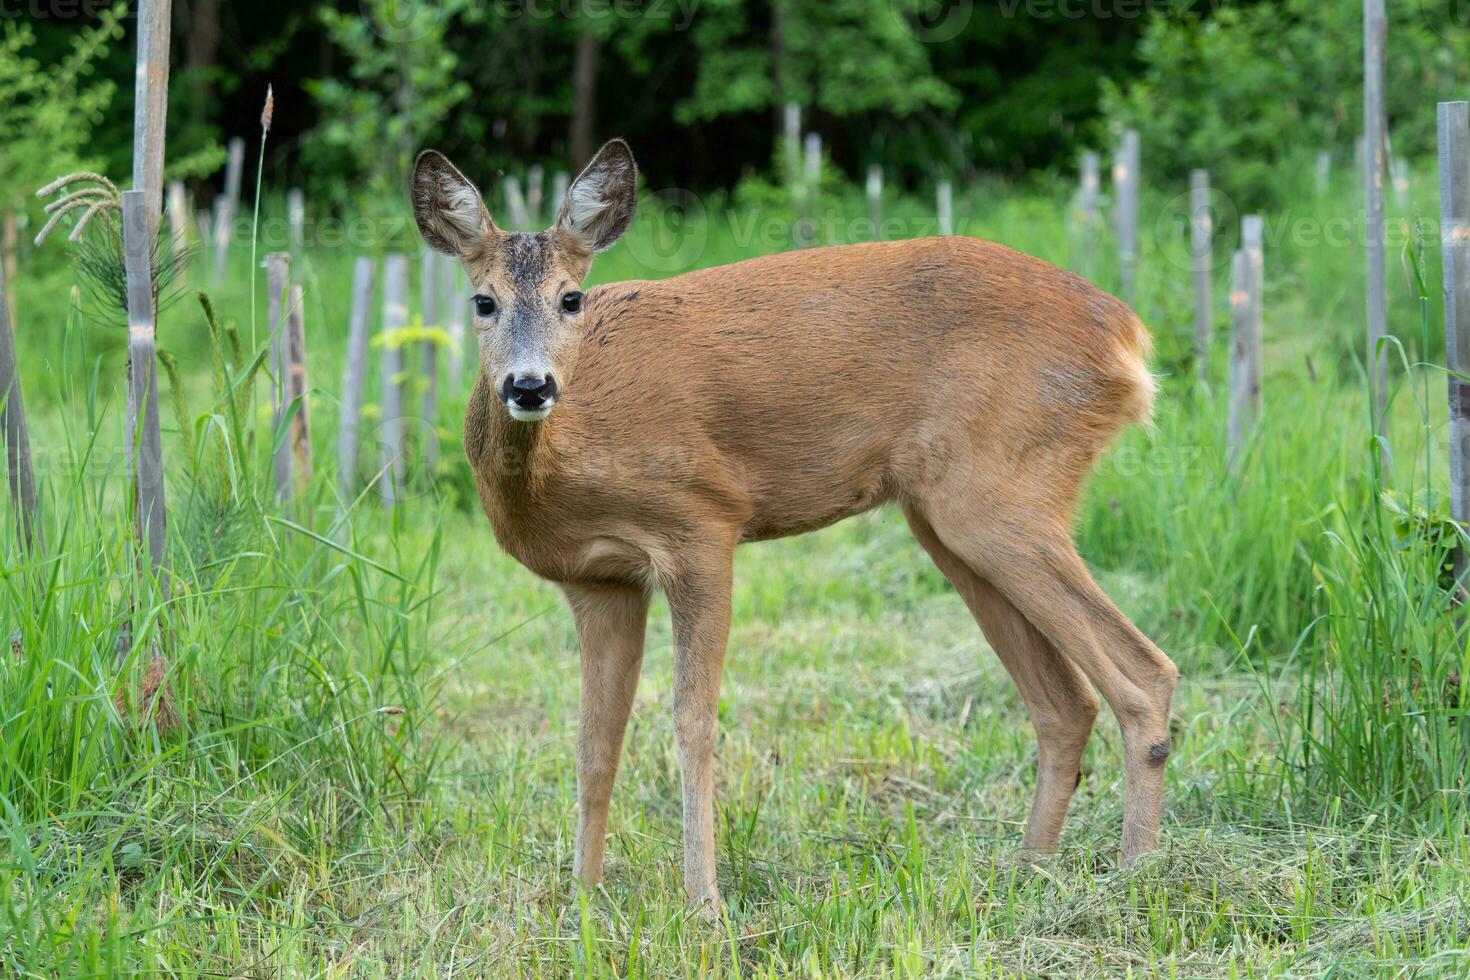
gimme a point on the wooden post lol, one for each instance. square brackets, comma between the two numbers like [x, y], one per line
[296, 217]
[357, 341]
[1087, 194]
[1247, 275]
[811, 185]
[1125, 183]
[791, 147]
[17, 438]
[875, 199]
[1240, 301]
[296, 387]
[204, 228]
[391, 457]
[1398, 172]
[1201, 234]
[178, 216]
[144, 437]
[429, 285]
[535, 184]
[277, 272]
[559, 184]
[456, 299]
[944, 207]
[1454, 217]
[150, 108]
[812, 162]
[515, 203]
[229, 206]
[1323, 171]
[10, 258]
[1375, 37]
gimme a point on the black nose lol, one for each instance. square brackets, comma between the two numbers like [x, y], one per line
[528, 391]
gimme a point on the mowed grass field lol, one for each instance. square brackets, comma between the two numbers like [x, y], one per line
[370, 771]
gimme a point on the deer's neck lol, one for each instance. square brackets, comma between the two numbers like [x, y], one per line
[513, 460]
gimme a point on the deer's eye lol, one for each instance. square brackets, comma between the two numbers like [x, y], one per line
[484, 306]
[572, 302]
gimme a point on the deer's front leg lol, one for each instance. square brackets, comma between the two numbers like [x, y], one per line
[699, 600]
[610, 622]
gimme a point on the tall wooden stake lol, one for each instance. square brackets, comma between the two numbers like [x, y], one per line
[296, 386]
[150, 108]
[296, 218]
[357, 341]
[791, 147]
[229, 206]
[1125, 183]
[515, 203]
[142, 209]
[277, 272]
[1398, 174]
[811, 187]
[1454, 212]
[1375, 37]
[10, 258]
[204, 228]
[144, 436]
[1247, 275]
[1201, 234]
[455, 294]
[392, 459]
[1087, 197]
[944, 207]
[429, 285]
[17, 438]
[874, 191]
[535, 185]
[178, 216]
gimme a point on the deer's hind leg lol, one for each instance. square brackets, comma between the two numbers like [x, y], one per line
[1026, 552]
[1061, 703]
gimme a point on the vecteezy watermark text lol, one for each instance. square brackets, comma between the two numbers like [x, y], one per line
[55, 9]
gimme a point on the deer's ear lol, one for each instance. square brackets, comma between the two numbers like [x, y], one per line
[600, 203]
[450, 213]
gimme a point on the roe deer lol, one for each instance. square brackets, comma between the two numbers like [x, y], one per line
[627, 439]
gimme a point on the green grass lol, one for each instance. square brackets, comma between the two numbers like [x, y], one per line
[372, 775]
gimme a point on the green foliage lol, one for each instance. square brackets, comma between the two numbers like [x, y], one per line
[403, 81]
[1427, 530]
[843, 58]
[47, 113]
[217, 509]
[1243, 91]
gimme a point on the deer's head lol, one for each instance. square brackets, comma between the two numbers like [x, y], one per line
[528, 286]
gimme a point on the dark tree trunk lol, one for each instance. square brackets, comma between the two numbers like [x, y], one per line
[201, 52]
[780, 83]
[584, 101]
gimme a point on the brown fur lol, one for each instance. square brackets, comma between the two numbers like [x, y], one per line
[971, 384]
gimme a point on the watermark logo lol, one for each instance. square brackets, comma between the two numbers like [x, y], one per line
[670, 232]
[1174, 229]
[60, 9]
[1450, 19]
[397, 21]
[934, 21]
[395, 455]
